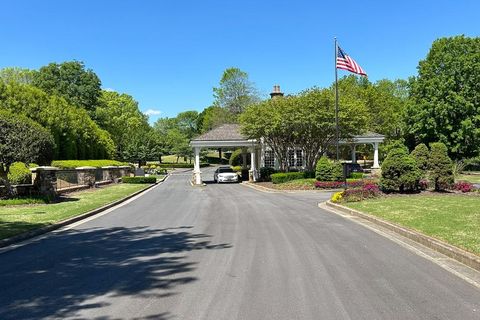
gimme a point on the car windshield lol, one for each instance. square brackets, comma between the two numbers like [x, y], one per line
[223, 170]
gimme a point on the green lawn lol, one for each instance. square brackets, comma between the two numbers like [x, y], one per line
[453, 218]
[18, 219]
[472, 178]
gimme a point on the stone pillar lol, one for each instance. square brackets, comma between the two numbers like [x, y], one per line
[354, 156]
[108, 174]
[45, 181]
[125, 171]
[86, 176]
[376, 165]
[253, 165]
[197, 174]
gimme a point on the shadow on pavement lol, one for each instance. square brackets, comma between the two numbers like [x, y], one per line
[77, 266]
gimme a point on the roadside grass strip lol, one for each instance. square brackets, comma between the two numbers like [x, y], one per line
[451, 218]
[18, 219]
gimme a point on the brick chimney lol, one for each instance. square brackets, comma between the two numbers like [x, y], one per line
[276, 92]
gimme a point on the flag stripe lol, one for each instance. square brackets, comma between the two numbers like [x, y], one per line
[345, 62]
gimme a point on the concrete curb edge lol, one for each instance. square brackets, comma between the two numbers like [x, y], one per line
[42, 230]
[462, 256]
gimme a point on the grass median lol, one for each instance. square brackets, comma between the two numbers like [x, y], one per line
[453, 218]
[18, 219]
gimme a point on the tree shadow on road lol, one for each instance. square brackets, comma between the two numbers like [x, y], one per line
[77, 270]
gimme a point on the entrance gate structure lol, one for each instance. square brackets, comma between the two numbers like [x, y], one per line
[225, 136]
[229, 136]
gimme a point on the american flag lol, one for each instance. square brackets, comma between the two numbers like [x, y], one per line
[347, 63]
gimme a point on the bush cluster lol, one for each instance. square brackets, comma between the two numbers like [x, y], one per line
[139, 180]
[266, 172]
[283, 177]
[356, 175]
[327, 170]
[72, 164]
[19, 174]
[235, 158]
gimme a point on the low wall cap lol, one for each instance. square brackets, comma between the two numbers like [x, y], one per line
[110, 167]
[86, 168]
[44, 168]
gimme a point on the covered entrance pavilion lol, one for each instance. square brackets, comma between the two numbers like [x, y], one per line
[225, 136]
[229, 136]
[368, 138]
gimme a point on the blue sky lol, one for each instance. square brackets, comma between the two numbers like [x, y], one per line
[169, 54]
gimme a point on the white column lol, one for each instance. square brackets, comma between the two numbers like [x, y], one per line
[354, 156]
[376, 165]
[253, 166]
[197, 174]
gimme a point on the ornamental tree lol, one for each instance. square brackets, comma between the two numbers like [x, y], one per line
[421, 155]
[399, 171]
[22, 140]
[441, 166]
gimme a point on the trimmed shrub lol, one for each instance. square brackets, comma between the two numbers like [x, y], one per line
[286, 176]
[421, 155]
[356, 175]
[400, 172]
[237, 168]
[441, 167]
[139, 180]
[236, 158]
[266, 172]
[72, 164]
[19, 174]
[327, 170]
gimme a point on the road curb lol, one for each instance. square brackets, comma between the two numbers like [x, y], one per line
[460, 255]
[42, 230]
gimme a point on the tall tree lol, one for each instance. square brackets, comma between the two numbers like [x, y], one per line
[303, 121]
[119, 115]
[235, 91]
[17, 75]
[70, 80]
[446, 97]
[76, 135]
[213, 117]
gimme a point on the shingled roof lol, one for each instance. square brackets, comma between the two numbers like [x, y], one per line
[226, 132]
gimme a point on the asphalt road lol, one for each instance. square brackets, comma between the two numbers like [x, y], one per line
[226, 252]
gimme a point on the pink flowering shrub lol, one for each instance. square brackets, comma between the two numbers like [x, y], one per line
[463, 186]
[338, 184]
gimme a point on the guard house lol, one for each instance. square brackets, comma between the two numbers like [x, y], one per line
[261, 155]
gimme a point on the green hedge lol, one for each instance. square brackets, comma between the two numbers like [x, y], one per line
[287, 176]
[71, 164]
[139, 179]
